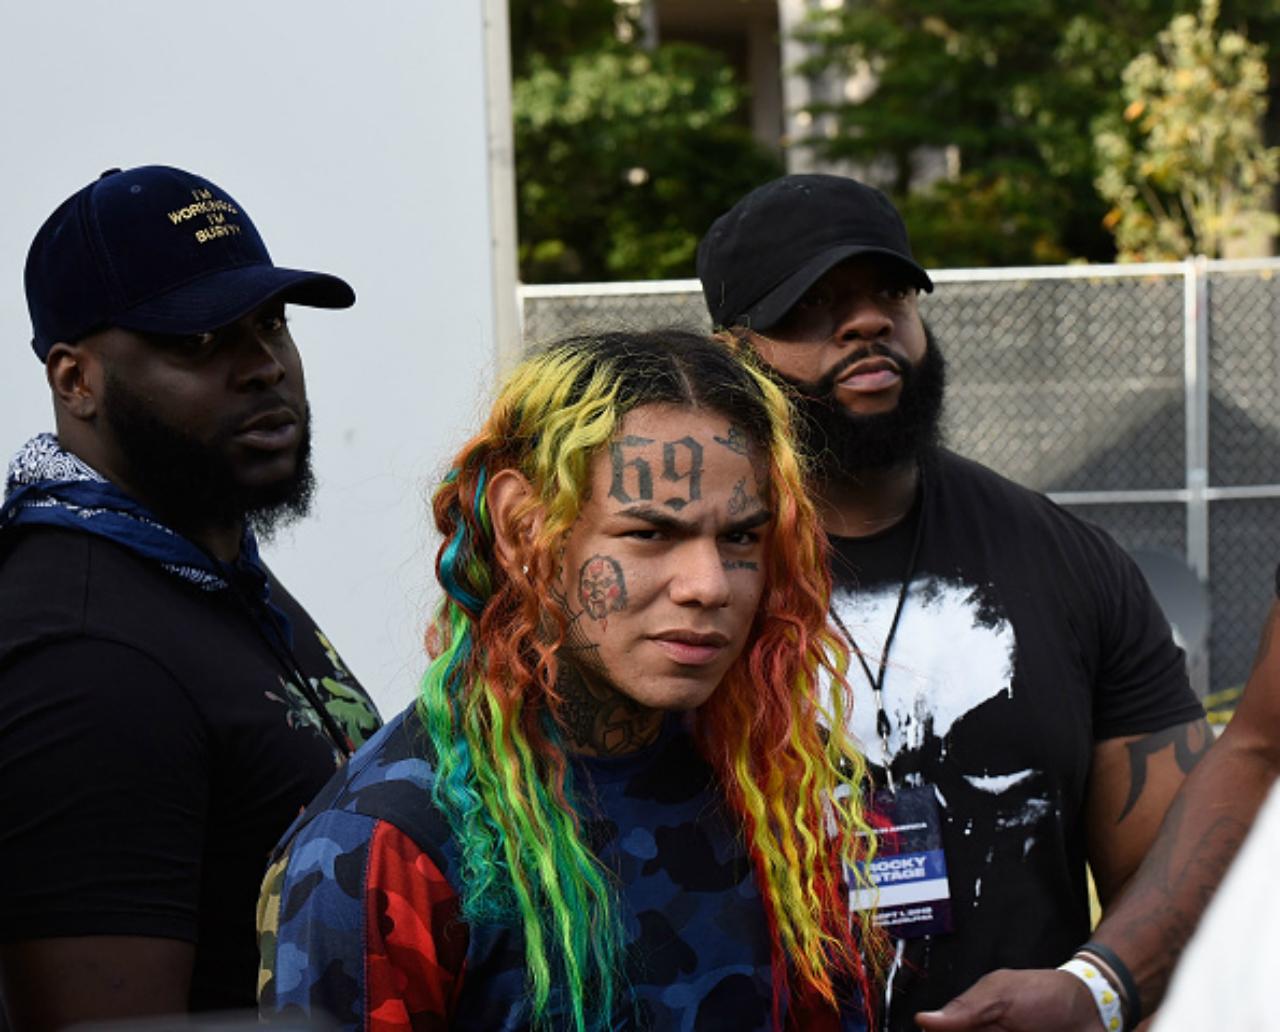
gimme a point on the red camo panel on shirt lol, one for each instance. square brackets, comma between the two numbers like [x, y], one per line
[417, 944]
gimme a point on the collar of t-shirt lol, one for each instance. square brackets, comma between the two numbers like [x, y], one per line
[877, 558]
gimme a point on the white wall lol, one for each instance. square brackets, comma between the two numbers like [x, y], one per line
[354, 135]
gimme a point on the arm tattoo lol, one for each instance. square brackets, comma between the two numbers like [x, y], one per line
[1190, 742]
[1170, 892]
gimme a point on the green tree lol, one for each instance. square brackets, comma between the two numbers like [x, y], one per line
[555, 31]
[1185, 167]
[624, 155]
[1012, 89]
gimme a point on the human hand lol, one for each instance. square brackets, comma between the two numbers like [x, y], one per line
[1018, 1001]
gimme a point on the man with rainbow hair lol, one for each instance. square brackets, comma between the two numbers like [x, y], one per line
[618, 802]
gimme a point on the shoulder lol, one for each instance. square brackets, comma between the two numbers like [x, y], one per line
[357, 909]
[96, 689]
[57, 584]
[61, 558]
[947, 472]
[372, 833]
[1096, 588]
[57, 563]
[962, 485]
[388, 780]
[84, 704]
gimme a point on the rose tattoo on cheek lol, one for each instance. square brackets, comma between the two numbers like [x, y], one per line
[602, 589]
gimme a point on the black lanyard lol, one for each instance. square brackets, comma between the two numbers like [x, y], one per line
[883, 727]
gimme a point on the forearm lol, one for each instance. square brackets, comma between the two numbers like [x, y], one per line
[1150, 923]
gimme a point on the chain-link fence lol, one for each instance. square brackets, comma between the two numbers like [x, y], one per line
[1146, 398]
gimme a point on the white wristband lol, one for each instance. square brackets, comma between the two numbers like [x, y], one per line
[1104, 993]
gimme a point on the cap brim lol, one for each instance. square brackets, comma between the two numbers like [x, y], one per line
[770, 309]
[223, 297]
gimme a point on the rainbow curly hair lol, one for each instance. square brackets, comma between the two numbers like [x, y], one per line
[775, 739]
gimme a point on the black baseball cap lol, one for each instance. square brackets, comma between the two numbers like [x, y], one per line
[156, 250]
[759, 258]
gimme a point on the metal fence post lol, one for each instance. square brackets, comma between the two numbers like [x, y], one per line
[1196, 387]
[507, 316]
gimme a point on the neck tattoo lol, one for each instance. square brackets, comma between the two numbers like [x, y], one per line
[600, 720]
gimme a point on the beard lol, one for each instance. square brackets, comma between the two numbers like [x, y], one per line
[190, 483]
[839, 444]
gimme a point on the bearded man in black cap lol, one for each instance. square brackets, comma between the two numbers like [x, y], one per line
[1019, 694]
[166, 708]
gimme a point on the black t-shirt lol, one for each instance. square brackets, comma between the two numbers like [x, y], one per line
[153, 747]
[1026, 637]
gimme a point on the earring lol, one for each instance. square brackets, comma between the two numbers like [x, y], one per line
[525, 569]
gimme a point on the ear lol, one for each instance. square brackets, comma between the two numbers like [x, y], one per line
[510, 499]
[74, 375]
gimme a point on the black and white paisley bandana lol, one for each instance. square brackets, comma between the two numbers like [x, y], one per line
[47, 485]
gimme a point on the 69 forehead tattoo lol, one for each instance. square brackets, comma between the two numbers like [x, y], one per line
[641, 483]
[671, 469]
[633, 478]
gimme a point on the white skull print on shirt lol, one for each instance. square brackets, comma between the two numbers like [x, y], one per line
[1026, 635]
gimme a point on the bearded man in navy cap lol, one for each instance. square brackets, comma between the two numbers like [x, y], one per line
[1018, 691]
[166, 707]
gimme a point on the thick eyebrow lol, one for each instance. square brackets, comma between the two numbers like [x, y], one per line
[660, 518]
[664, 520]
[750, 521]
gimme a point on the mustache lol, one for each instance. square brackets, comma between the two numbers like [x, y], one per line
[271, 401]
[824, 387]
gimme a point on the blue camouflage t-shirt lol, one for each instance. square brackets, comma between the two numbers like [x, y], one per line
[360, 911]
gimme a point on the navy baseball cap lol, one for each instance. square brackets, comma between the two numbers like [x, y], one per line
[759, 258]
[156, 250]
